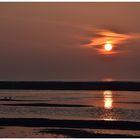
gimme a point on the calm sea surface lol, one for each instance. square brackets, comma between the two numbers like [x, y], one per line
[99, 105]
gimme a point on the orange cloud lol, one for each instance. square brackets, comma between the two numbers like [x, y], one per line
[103, 36]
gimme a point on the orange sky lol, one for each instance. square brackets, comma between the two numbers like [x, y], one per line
[63, 41]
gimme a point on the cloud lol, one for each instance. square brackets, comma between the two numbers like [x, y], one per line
[92, 37]
[99, 37]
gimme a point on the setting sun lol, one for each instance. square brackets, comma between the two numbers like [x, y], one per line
[108, 47]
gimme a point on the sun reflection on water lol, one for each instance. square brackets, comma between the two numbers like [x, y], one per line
[108, 100]
[108, 105]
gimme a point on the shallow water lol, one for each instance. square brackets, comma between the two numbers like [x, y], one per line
[103, 105]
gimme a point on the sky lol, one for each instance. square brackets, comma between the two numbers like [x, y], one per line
[64, 41]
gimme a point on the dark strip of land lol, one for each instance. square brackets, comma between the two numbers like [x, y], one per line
[42, 85]
[47, 105]
[128, 102]
[1, 100]
[94, 124]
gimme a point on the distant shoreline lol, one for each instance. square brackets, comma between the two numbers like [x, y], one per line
[56, 85]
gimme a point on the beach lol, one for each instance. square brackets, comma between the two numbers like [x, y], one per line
[69, 113]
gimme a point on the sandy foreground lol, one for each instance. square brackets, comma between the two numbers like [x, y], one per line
[46, 132]
[55, 128]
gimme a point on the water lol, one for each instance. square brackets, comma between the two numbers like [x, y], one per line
[101, 105]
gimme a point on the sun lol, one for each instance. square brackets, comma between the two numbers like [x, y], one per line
[108, 47]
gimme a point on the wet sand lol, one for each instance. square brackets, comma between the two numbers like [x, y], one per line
[48, 132]
[76, 133]
[35, 127]
[96, 124]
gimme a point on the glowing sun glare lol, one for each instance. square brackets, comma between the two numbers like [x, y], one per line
[108, 100]
[108, 47]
